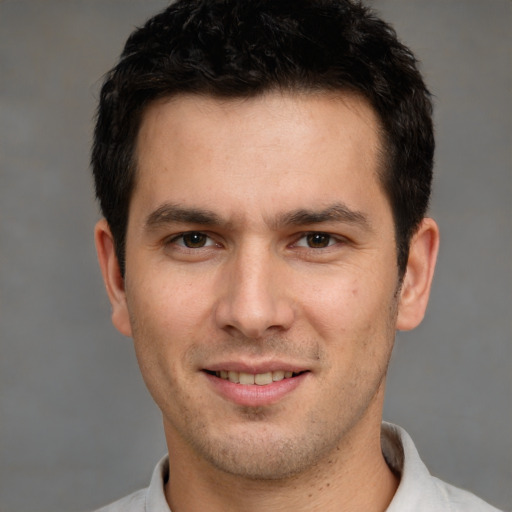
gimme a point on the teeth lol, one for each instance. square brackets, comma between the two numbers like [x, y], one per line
[279, 375]
[263, 378]
[260, 379]
[246, 378]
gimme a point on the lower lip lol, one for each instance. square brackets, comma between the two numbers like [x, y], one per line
[254, 395]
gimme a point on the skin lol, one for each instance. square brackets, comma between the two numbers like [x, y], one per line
[259, 237]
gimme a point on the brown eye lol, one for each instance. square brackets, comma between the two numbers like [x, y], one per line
[194, 240]
[318, 240]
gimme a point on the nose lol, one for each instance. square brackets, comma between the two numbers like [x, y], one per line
[254, 299]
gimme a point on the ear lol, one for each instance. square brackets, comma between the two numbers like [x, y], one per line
[417, 281]
[114, 282]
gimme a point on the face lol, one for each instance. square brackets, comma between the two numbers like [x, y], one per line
[261, 284]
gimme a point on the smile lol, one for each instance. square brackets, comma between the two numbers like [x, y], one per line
[259, 379]
[257, 388]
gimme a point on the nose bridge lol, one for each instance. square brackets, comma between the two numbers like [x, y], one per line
[254, 300]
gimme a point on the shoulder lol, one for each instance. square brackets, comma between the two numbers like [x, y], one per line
[418, 490]
[135, 502]
[151, 499]
[461, 500]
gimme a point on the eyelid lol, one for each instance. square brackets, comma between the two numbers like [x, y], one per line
[334, 240]
[177, 240]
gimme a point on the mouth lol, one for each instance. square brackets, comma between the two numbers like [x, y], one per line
[254, 379]
[260, 387]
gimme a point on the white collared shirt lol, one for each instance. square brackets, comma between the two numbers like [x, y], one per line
[418, 490]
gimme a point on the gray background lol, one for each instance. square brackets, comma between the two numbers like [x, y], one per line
[78, 428]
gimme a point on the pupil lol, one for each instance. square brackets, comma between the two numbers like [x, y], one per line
[318, 240]
[194, 240]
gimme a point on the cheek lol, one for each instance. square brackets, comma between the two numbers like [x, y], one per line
[160, 335]
[335, 304]
[350, 312]
[169, 305]
[169, 313]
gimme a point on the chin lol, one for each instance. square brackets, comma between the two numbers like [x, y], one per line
[260, 454]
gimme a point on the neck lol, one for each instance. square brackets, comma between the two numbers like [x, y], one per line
[353, 477]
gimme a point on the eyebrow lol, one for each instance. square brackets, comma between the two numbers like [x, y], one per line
[337, 212]
[169, 213]
[173, 213]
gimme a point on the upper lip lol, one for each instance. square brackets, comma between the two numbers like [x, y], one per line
[255, 367]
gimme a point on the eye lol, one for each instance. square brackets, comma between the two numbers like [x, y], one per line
[193, 240]
[316, 240]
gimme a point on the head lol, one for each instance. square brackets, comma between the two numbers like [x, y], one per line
[233, 49]
[264, 168]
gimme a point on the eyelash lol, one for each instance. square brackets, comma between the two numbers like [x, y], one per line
[181, 238]
[332, 240]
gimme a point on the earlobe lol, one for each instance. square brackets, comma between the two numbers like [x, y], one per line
[114, 282]
[415, 290]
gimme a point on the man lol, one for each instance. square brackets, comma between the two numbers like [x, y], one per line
[264, 171]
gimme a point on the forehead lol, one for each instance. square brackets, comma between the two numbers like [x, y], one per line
[336, 112]
[275, 149]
